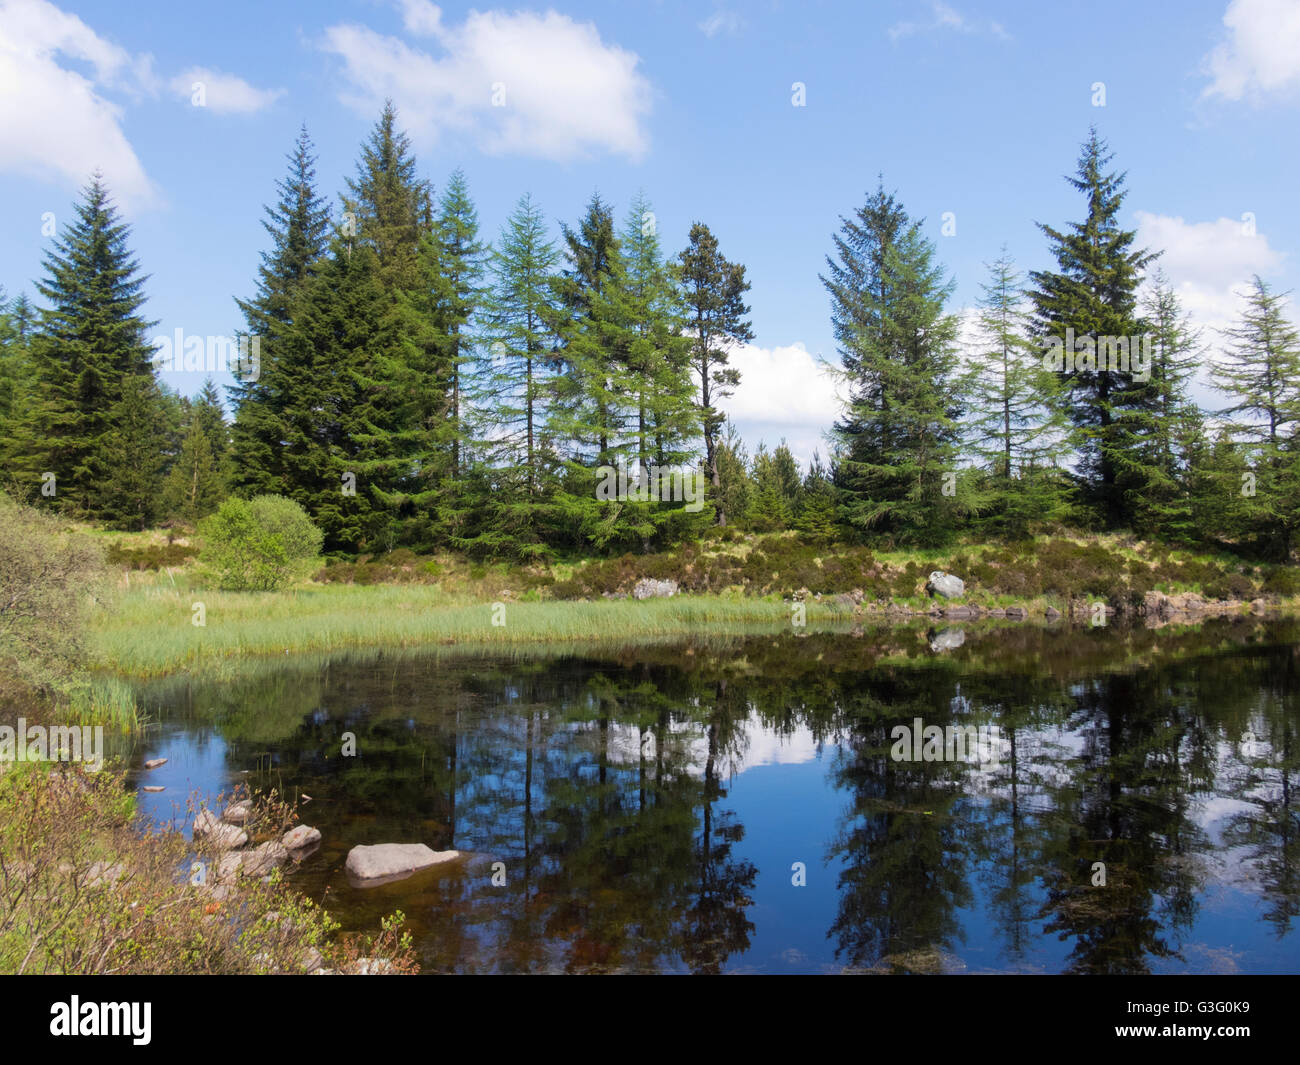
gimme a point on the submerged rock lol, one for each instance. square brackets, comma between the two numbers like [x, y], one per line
[301, 836]
[154, 763]
[238, 812]
[226, 837]
[948, 640]
[386, 862]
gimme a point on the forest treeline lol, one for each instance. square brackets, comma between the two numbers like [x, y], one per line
[412, 384]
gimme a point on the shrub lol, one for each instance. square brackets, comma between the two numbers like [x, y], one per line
[1283, 581]
[259, 544]
[153, 556]
[48, 578]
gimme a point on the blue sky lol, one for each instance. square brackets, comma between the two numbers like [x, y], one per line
[974, 107]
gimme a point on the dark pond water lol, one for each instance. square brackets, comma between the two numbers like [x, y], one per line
[736, 805]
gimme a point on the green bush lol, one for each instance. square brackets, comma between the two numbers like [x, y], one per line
[1283, 581]
[259, 544]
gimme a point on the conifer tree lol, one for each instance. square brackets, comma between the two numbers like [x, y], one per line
[818, 504]
[91, 342]
[389, 207]
[1163, 428]
[1094, 293]
[15, 373]
[1260, 374]
[1015, 425]
[196, 482]
[714, 290]
[510, 398]
[898, 435]
[127, 493]
[459, 295]
[298, 225]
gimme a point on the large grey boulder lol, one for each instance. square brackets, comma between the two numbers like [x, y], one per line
[651, 589]
[946, 585]
[386, 862]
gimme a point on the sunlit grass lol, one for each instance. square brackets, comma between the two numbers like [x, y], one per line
[150, 630]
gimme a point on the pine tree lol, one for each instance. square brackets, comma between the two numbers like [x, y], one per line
[714, 290]
[897, 345]
[666, 420]
[15, 371]
[90, 344]
[335, 460]
[298, 225]
[1164, 426]
[457, 265]
[776, 496]
[389, 207]
[1260, 374]
[461, 267]
[1094, 294]
[196, 483]
[510, 398]
[1015, 424]
[818, 504]
[590, 415]
[127, 494]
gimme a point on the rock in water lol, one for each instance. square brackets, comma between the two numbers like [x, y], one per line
[948, 640]
[238, 812]
[386, 862]
[226, 837]
[154, 763]
[945, 584]
[651, 589]
[301, 836]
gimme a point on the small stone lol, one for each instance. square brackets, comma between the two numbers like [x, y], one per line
[154, 763]
[152, 787]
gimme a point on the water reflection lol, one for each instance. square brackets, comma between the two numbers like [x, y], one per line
[652, 808]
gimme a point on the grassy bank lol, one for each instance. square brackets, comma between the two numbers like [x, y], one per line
[149, 631]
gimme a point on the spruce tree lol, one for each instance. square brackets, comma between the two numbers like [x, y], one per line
[714, 290]
[298, 225]
[128, 492]
[389, 207]
[196, 483]
[1094, 293]
[89, 346]
[898, 436]
[818, 506]
[15, 373]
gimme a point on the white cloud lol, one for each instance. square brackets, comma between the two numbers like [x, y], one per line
[783, 392]
[224, 93]
[721, 22]
[564, 92]
[57, 121]
[1261, 56]
[1209, 264]
[945, 17]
